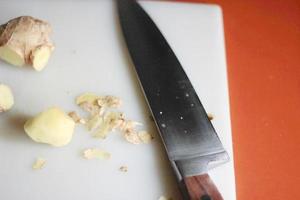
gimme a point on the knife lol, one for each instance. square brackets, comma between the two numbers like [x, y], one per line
[191, 142]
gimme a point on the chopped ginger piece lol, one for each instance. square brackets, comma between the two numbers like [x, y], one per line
[87, 97]
[96, 154]
[112, 120]
[132, 137]
[89, 107]
[123, 169]
[94, 122]
[129, 125]
[106, 101]
[110, 102]
[76, 118]
[129, 131]
[145, 137]
[102, 131]
[39, 164]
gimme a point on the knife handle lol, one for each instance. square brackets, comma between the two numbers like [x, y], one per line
[201, 187]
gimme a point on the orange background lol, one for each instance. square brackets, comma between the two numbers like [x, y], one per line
[263, 57]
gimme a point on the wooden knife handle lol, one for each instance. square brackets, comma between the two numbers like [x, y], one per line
[202, 188]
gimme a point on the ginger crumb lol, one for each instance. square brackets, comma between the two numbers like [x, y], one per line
[132, 137]
[39, 164]
[210, 116]
[94, 153]
[113, 102]
[145, 137]
[123, 169]
[86, 97]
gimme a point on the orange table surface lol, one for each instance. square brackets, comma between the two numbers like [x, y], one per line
[263, 59]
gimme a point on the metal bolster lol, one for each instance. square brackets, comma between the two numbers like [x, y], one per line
[199, 165]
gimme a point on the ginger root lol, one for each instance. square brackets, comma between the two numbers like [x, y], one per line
[25, 40]
[6, 98]
[52, 126]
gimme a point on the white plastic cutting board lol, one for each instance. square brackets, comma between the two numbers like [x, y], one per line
[90, 56]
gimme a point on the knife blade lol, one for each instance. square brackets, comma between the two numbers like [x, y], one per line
[191, 142]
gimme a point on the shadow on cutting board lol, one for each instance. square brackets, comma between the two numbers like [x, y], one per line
[15, 127]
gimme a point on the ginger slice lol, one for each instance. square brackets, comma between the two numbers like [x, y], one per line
[132, 137]
[145, 137]
[111, 121]
[94, 153]
[102, 101]
[129, 125]
[140, 137]
[109, 101]
[129, 131]
[94, 122]
[90, 107]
